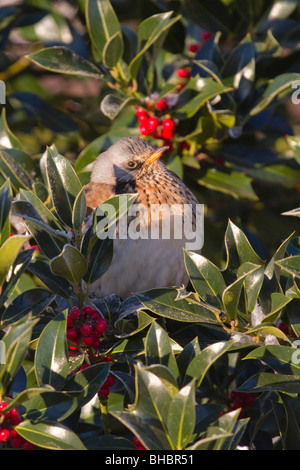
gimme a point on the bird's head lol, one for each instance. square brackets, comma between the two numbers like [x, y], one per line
[125, 161]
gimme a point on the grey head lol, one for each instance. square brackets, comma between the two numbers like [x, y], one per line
[124, 160]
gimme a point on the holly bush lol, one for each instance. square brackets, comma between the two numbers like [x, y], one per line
[211, 366]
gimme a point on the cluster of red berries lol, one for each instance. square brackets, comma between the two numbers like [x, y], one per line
[153, 125]
[8, 421]
[104, 390]
[155, 120]
[86, 329]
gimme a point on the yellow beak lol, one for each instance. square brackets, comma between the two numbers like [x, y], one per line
[155, 155]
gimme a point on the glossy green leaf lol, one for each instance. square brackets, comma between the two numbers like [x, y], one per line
[11, 168]
[112, 210]
[238, 248]
[16, 342]
[279, 301]
[79, 210]
[46, 403]
[271, 268]
[45, 214]
[32, 300]
[49, 435]
[283, 359]
[99, 260]
[200, 364]
[51, 357]
[231, 423]
[149, 32]
[267, 382]
[232, 293]
[113, 50]
[185, 357]
[62, 60]
[7, 139]
[290, 265]
[264, 330]
[19, 266]
[57, 284]
[182, 416]
[208, 443]
[163, 302]
[69, 264]
[64, 185]
[88, 381]
[8, 253]
[207, 89]
[144, 320]
[234, 183]
[49, 240]
[252, 284]
[147, 416]
[112, 105]
[104, 30]
[205, 277]
[281, 83]
[5, 206]
[158, 348]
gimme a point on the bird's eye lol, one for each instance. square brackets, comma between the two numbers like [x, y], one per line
[131, 164]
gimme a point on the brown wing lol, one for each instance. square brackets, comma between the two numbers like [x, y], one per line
[96, 193]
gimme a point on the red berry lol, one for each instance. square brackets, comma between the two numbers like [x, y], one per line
[142, 115]
[101, 326]
[144, 129]
[74, 312]
[96, 343]
[95, 316]
[206, 35]
[86, 329]
[88, 310]
[168, 124]
[13, 434]
[109, 382]
[4, 435]
[167, 133]
[153, 124]
[17, 441]
[162, 104]
[136, 441]
[182, 73]
[138, 444]
[3, 405]
[28, 445]
[13, 415]
[104, 391]
[88, 340]
[193, 48]
[140, 111]
[72, 333]
[70, 321]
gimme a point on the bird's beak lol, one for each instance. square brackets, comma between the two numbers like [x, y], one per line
[155, 155]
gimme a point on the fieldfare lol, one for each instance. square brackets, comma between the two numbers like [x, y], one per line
[132, 165]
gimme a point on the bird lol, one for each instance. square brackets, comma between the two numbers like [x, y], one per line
[133, 166]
